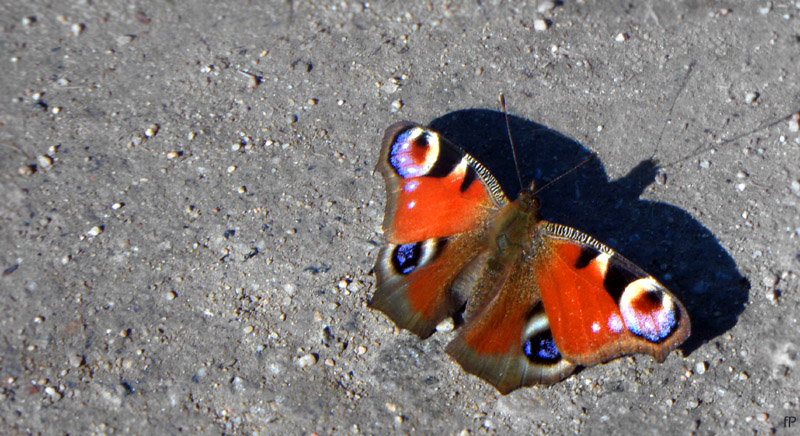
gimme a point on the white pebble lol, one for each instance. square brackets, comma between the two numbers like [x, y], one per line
[307, 360]
[28, 21]
[446, 326]
[701, 367]
[794, 122]
[76, 29]
[751, 97]
[95, 231]
[546, 6]
[117, 206]
[796, 187]
[740, 187]
[540, 25]
[151, 131]
[621, 37]
[45, 161]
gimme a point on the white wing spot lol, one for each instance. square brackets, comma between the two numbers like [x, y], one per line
[615, 323]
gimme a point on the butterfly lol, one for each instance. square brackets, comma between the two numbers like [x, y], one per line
[538, 299]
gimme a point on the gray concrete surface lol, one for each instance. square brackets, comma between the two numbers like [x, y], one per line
[189, 217]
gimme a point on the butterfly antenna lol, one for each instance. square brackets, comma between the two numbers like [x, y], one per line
[684, 83]
[585, 161]
[511, 140]
[702, 148]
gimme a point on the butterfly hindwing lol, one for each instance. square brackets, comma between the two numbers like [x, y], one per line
[506, 339]
[601, 305]
[414, 281]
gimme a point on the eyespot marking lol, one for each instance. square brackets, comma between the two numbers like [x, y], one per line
[414, 152]
[648, 311]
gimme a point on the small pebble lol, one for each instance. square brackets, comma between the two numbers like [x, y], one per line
[28, 21]
[76, 29]
[794, 122]
[540, 25]
[740, 187]
[248, 329]
[701, 367]
[307, 360]
[621, 37]
[446, 326]
[361, 350]
[45, 162]
[397, 105]
[152, 130]
[95, 231]
[546, 6]
[751, 97]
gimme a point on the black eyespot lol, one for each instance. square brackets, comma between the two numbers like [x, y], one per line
[541, 348]
[405, 258]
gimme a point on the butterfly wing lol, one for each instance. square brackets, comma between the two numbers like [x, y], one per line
[439, 202]
[433, 188]
[560, 300]
[601, 305]
[506, 339]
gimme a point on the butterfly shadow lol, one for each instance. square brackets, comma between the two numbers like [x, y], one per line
[664, 240]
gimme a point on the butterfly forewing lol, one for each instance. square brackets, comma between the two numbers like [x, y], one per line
[601, 305]
[434, 189]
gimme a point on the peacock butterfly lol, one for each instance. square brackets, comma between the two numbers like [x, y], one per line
[539, 299]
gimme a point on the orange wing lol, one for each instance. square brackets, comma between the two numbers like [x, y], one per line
[601, 305]
[439, 203]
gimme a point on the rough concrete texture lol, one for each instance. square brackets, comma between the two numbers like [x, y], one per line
[189, 214]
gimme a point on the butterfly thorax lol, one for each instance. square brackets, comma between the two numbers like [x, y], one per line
[509, 233]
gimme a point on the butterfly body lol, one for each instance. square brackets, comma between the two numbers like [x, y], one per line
[539, 298]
